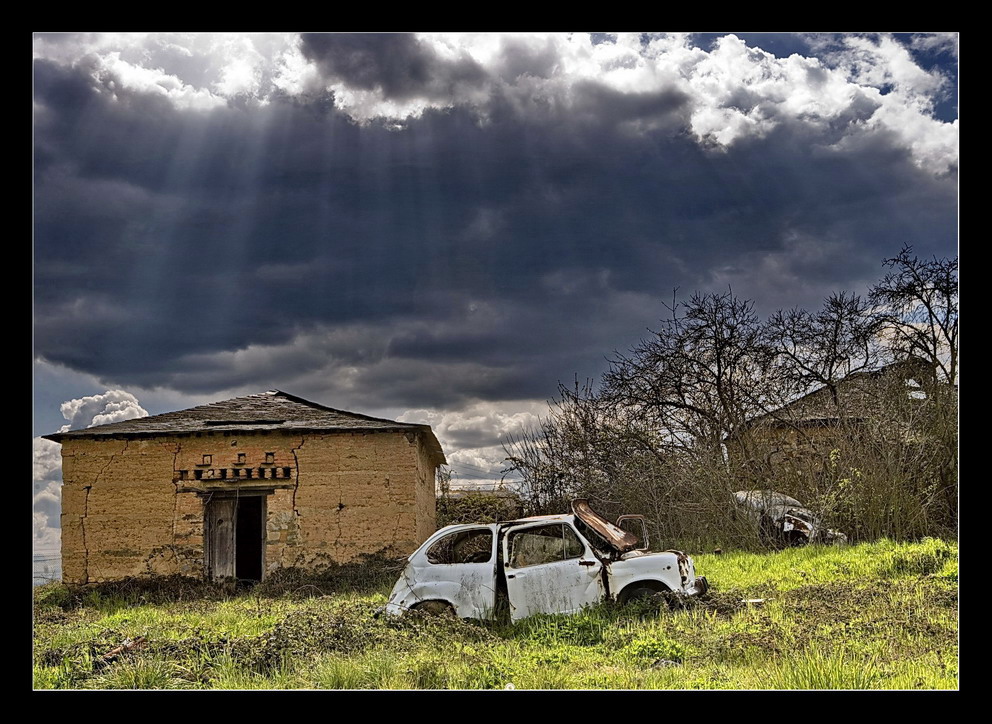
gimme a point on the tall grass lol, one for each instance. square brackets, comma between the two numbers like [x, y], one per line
[813, 669]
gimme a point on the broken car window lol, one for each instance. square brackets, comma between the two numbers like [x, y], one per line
[546, 544]
[467, 546]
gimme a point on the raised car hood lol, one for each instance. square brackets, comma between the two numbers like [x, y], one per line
[614, 536]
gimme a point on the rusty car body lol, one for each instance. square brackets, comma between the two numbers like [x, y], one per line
[784, 521]
[541, 564]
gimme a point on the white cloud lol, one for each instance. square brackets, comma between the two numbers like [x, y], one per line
[194, 71]
[121, 75]
[731, 92]
[47, 539]
[295, 75]
[883, 62]
[473, 436]
[47, 498]
[47, 459]
[111, 406]
[940, 42]
[905, 93]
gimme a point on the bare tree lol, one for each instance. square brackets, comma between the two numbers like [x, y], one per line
[919, 302]
[652, 438]
[819, 349]
[566, 455]
[591, 447]
[700, 377]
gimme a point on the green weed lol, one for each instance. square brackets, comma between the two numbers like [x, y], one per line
[655, 648]
[142, 673]
[815, 670]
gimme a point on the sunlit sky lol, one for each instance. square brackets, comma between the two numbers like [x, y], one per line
[439, 228]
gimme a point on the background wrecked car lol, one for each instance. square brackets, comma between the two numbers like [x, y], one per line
[784, 521]
[542, 564]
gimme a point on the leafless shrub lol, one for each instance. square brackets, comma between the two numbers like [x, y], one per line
[860, 426]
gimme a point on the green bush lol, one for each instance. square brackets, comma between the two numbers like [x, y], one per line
[654, 648]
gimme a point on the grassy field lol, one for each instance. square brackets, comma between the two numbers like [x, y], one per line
[873, 616]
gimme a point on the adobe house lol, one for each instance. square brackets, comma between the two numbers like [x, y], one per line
[802, 432]
[241, 488]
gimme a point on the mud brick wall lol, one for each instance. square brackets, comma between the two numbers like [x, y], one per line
[426, 498]
[130, 507]
[357, 493]
[119, 505]
[784, 448]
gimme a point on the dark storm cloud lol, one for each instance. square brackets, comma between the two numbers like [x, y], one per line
[396, 63]
[459, 258]
[519, 58]
[607, 105]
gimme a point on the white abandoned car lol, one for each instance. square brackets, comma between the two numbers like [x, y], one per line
[543, 564]
[784, 521]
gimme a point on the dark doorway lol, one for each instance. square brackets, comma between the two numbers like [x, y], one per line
[234, 535]
[248, 538]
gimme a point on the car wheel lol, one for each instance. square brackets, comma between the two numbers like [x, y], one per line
[434, 608]
[640, 593]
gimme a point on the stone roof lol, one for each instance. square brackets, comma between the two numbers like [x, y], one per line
[268, 411]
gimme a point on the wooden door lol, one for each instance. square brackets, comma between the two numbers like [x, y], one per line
[220, 519]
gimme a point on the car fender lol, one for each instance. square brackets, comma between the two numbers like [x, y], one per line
[660, 568]
[469, 598]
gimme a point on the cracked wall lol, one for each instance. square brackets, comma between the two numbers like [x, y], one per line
[118, 506]
[135, 507]
[356, 493]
